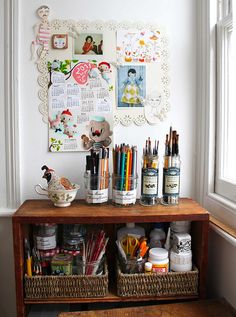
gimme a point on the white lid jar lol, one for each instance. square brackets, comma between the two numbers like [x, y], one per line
[159, 259]
[180, 262]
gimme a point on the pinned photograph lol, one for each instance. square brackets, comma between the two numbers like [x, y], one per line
[89, 44]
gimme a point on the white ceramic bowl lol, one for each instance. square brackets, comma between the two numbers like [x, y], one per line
[60, 198]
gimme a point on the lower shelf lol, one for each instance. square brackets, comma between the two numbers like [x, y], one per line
[111, 297]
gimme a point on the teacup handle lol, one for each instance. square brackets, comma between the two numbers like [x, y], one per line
[41, 188]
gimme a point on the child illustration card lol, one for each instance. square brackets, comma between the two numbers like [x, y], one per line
[80, 110]
[131, 86]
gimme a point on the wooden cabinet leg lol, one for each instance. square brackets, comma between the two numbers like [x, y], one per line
[19, 269]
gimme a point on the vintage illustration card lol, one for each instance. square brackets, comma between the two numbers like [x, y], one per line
[131, 85]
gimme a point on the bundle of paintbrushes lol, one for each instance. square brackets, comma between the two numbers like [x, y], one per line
[93, 257]
[171, 170]
[150, 174]
[124, 174]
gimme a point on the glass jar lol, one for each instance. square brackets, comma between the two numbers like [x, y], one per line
[124, 190]
[97, 188]
[149, 185]
[171, 180]
[74, 244]
[45, 236]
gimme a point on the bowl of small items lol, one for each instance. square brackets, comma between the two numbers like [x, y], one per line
[60, 190]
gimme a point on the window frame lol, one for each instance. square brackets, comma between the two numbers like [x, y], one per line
[219, 206]
[10, 198]
[223, 187]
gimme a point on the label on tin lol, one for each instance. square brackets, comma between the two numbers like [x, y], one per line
[124, 197]
[171, 181]
[46, 243]
[97, 196]
[149, 182]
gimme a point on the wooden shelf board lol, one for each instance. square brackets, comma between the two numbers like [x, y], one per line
[110, 298]
[38, 211]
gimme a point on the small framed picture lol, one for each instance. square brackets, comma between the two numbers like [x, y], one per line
[60, 41]
[89, 43]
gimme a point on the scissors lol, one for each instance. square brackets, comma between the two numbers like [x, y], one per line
[130, 245]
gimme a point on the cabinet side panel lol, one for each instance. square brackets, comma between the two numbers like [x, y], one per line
[200, 252]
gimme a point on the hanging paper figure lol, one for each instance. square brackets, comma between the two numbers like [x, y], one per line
[42, 32]
[131, 88]
[99, 134]
[105, 70]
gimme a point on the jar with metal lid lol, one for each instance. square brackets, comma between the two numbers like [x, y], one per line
[159, 259]
[45, 236]
[171, 180]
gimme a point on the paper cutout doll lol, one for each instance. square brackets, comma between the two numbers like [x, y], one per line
[42, 32]
[105, 70]
[131, 92]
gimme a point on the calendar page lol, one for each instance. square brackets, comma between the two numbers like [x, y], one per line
[80, 104]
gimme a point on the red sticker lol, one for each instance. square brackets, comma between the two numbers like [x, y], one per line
[80, 73]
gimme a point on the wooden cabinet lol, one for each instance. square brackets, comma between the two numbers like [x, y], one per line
[42, 211]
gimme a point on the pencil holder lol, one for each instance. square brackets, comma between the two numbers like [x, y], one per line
[124, 190]
[149, 185]
[96, 187]
[91, 268]
[171, 180]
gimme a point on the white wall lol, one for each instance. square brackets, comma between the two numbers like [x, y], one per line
[221, 268]
[179, 18]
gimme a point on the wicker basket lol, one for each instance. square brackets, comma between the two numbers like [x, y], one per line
[169, 284]
[39, 287]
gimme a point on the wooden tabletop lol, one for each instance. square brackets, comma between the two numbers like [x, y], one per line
[33, 211]
[208, 308]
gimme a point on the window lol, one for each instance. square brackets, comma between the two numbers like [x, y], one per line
[225, 177]
[215, 168]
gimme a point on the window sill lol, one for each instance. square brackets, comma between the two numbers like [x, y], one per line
[219, 224]
[226, 232]
[222, 209]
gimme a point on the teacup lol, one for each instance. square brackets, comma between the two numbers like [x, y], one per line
[60, 198]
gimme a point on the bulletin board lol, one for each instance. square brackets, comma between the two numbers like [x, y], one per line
[123, 76]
